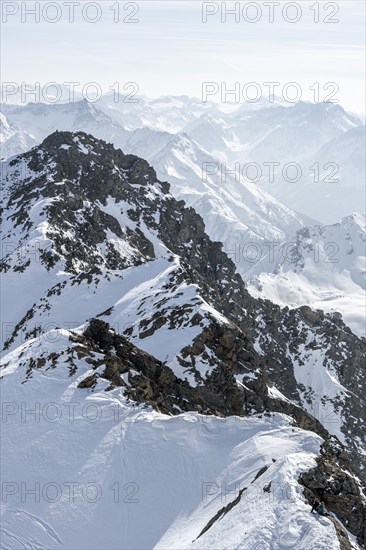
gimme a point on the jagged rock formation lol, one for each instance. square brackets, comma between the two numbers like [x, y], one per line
[150, 381]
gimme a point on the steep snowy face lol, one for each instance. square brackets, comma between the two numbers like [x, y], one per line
[234, 210]
[94, 233]
[7, 131]
[212, 133]
[146, 143]
[322, 266]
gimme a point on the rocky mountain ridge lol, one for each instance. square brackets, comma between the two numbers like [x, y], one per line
[112, 243]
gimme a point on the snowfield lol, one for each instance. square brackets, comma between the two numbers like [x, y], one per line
[89, 470]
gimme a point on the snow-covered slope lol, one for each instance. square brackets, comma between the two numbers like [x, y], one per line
[145, 142]
[214, 135]
[322, 266]
[13, 140]
[110, 474]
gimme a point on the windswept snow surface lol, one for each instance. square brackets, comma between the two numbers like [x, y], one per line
[107, 474]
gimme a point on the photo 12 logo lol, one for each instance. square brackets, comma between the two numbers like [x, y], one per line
[253, 92]
[276, 253]
[256, 493]
[271, 172]
[69, 491]
[70, 12]
[68, 412]
[70, 92]
[270, 12]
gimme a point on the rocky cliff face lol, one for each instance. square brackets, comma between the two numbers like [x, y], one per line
[99, 237]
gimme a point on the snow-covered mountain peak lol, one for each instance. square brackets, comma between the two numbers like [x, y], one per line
[322, 265]
[356, 218]
[13, 140]
[40, 120]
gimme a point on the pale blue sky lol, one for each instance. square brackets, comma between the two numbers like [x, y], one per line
[171, 51]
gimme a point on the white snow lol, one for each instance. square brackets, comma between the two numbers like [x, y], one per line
[142, 479]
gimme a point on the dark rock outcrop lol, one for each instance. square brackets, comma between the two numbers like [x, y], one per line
[332, 482]
[152, 382]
